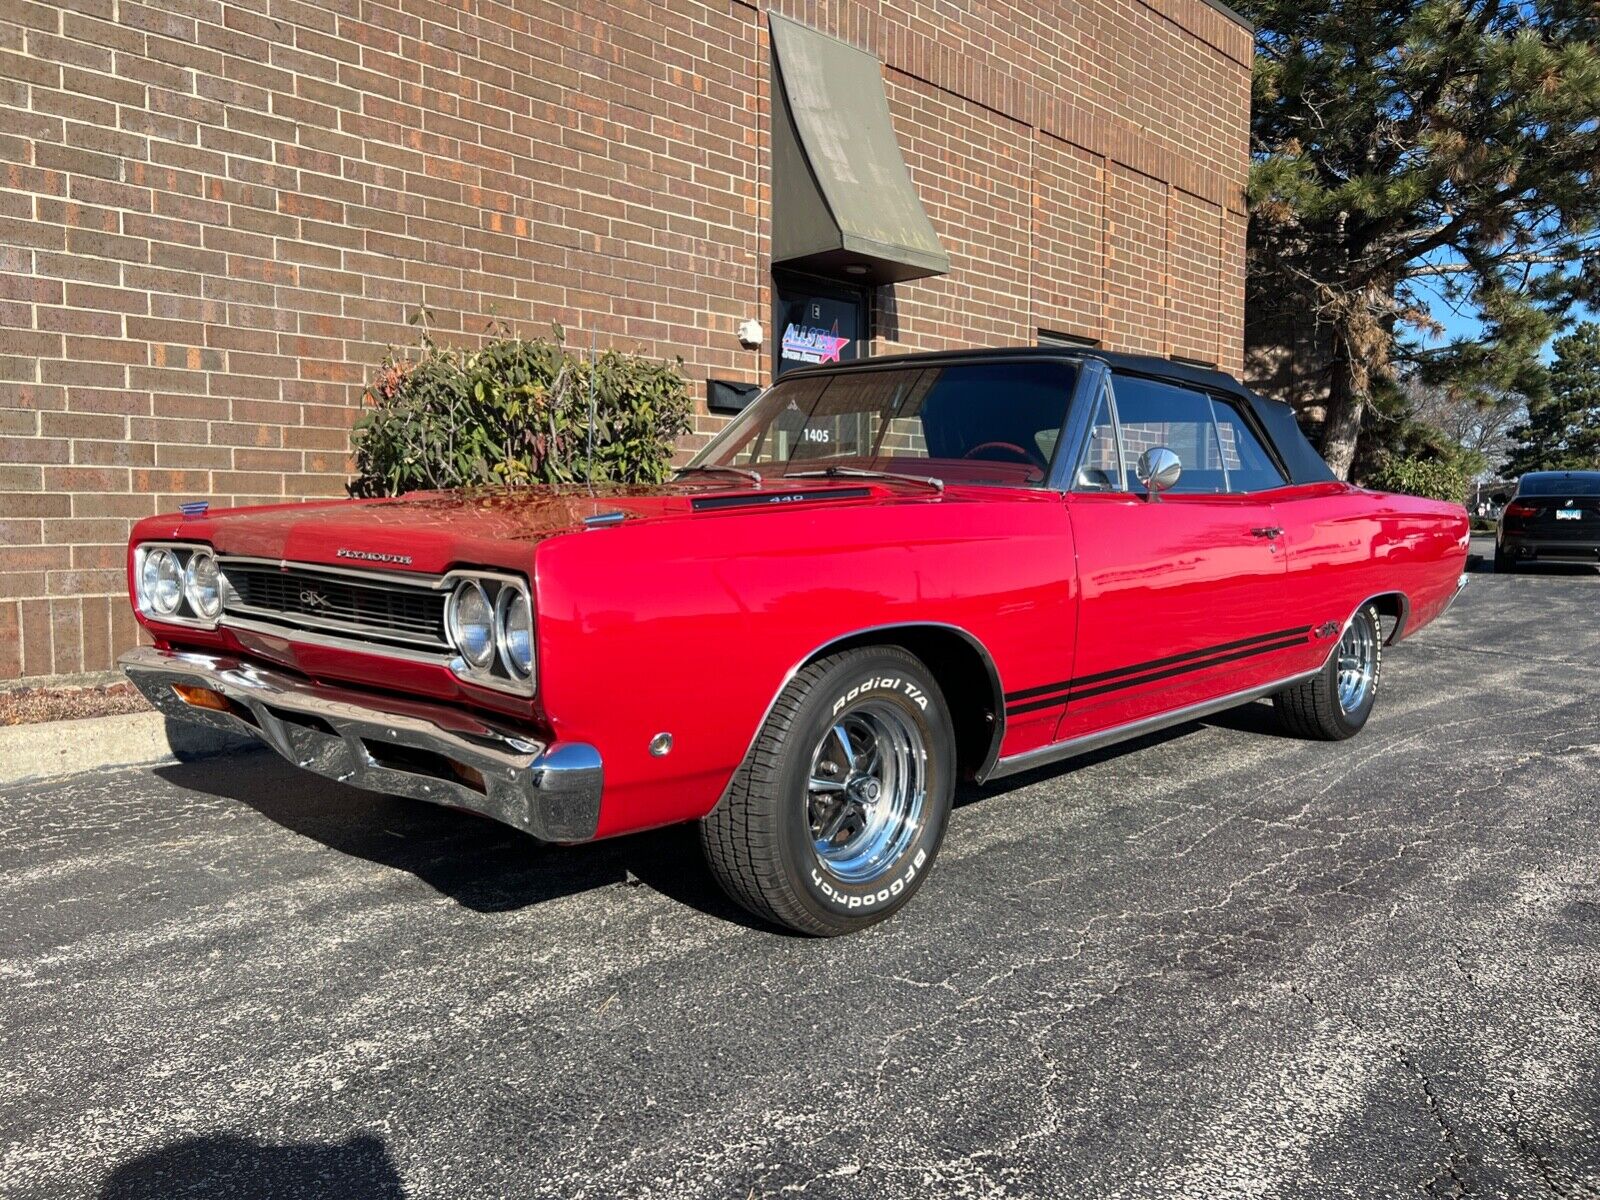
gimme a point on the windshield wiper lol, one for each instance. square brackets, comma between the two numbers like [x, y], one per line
[753, 476]
[862, 473]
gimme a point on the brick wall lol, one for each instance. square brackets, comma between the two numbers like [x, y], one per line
[215, 216]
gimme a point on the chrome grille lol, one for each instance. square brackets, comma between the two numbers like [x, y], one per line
[381, 608]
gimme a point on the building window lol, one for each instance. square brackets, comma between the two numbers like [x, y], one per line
[1049, 337]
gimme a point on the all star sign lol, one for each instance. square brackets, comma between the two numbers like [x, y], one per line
[802, 343]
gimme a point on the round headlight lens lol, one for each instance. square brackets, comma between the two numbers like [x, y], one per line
[202, 584]
[472, 624]
[161, 580]
[514, 629]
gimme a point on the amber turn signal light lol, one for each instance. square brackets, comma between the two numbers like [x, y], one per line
[199, 697]
[470, 776]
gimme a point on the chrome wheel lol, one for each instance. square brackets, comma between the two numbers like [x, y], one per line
[867, 790]
[1358, 663]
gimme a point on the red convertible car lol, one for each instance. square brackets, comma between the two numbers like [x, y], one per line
[879, 579]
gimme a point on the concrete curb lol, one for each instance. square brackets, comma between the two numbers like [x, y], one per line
[51, 748]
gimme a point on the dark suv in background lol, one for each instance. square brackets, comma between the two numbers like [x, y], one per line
[1554, 517]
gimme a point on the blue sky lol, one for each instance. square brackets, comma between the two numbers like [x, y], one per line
[1464, 325]
[1467, 326]
[1457, 325]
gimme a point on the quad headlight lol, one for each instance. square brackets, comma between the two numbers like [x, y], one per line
[179, 583]
[513, 631]
[202, 585]
[471, 619]
[489, 620]
[161, 579]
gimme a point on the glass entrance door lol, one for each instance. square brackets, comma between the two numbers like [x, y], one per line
[817, 321]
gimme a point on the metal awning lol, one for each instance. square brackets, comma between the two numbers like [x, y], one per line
[842, 200]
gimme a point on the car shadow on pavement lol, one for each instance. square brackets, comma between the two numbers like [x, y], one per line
[1553, 570]
[1258, 717]
[972, 793]
[479, 863]
[225, 1164]
[1481, 562]
[1254, 718]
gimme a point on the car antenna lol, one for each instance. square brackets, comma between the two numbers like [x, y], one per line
[588, 469]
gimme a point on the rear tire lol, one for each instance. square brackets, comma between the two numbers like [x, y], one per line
[1504, 564]
[828, 834]
[1335, 703]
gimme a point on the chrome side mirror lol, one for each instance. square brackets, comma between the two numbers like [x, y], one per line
[1158, 470]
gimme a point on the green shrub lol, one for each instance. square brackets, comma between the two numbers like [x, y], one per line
[517, 412]
[1430, 477]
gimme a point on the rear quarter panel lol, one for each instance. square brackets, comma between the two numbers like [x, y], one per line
[1346, 544]
[692, 626]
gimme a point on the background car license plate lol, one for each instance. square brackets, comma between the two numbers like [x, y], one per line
[1569, 514]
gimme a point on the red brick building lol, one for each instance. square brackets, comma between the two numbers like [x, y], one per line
[216, 215]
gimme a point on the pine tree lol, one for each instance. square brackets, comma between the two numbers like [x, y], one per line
[1563, 432]
[1408, 154]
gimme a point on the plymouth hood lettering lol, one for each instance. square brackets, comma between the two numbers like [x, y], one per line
[401, 560]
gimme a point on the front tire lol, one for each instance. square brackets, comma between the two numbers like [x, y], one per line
[834, 820]
[1335, 703]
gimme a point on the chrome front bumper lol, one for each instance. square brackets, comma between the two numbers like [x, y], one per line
[421, 750]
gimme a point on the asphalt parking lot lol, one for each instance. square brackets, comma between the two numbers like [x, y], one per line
[1219, 962]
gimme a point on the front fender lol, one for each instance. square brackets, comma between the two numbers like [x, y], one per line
[693, 627]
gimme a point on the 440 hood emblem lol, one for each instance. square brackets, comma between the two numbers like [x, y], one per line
[373, 556]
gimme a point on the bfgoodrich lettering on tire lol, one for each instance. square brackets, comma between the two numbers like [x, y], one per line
[834, 820]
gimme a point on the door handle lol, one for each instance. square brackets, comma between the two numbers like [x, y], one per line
[1267, 531]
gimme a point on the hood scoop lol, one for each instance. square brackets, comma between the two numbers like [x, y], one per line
[769, 499]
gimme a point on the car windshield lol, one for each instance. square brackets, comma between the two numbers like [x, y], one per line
[1586, 483]
[983, 423]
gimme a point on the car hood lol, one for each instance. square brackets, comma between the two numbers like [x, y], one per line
[433, 531]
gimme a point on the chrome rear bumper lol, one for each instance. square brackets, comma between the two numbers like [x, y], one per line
[422, 750]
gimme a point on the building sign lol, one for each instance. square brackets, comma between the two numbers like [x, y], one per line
[817, 323]
[803, 343]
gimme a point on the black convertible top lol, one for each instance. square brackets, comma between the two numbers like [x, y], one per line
[1304, 463]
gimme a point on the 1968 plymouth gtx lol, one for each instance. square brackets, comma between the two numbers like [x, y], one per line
[879, 579]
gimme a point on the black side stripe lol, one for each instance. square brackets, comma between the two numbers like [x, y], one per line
[1016, 710]
[1027, 693]
[1083, 693]
[1149, 672]
[1152, 664]
[1141, 668]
